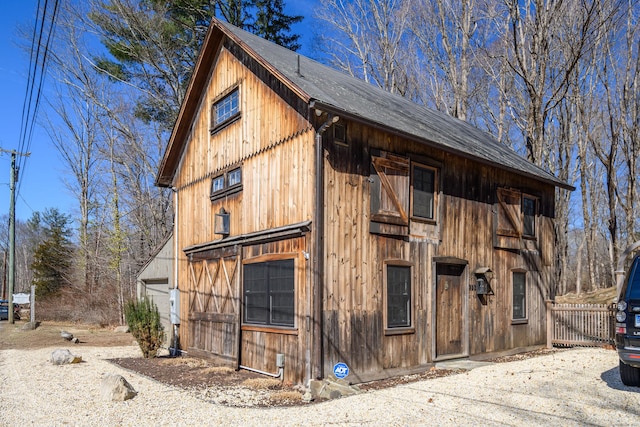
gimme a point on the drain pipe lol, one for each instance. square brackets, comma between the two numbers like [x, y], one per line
[279, 364]
[318, 226]
[278, 375]
[175, 350]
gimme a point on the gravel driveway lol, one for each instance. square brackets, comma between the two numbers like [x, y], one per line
[575, 387]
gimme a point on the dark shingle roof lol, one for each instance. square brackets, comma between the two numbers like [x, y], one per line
[341, 93]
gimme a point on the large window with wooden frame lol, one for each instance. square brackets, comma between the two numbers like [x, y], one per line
[225, 109]
[519, 296]
[226, 183]
[269, 293]
[398, 296]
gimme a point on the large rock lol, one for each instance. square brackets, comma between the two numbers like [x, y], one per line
[331, 388]
[64, 357]
[114, 387]
[66, 335]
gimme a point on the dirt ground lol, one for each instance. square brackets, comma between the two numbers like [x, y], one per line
[184, 372]
[47, 334]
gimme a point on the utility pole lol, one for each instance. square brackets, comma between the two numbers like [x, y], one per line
[12, 227]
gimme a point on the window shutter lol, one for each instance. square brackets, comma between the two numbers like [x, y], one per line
[389, 194]
[507, 222]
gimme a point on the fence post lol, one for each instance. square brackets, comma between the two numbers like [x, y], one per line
[549, 305]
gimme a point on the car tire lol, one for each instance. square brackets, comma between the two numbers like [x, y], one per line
[629, 375]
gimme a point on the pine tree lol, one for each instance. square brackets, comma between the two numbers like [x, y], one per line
[52, 257]
[272, 24]
[153, 44]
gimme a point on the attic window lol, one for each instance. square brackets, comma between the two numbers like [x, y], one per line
[225, 110]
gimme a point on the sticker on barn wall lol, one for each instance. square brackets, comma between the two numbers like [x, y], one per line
[340, 370]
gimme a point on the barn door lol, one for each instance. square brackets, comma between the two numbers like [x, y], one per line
[214, 308]
[449, 311]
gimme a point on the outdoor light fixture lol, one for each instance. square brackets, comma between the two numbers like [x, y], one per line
[221, 223]
[483, 281]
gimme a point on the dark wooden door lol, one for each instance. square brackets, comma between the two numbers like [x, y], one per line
[449, 310]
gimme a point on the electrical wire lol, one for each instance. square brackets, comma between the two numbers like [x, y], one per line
[43, 32]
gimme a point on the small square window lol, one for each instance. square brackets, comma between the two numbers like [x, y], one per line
[234, 177]
[339, 133]
[217, 184]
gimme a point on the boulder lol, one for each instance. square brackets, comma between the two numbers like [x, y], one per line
[64, 357]
[29, 326]
[331, 388]
[66, 335]
[114, 387]
[121, 329]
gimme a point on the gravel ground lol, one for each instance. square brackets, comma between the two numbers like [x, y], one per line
[570, 388]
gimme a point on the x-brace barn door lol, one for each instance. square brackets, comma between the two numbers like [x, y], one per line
[214, 308]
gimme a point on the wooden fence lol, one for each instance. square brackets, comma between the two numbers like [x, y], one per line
[585, 325]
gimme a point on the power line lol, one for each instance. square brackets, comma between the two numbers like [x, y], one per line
[37, 71]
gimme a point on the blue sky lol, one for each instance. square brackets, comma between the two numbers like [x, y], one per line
[41, 184]
[42, 179]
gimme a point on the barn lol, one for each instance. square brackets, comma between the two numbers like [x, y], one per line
[322, 222]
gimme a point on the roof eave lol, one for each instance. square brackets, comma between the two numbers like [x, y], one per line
[319, 105]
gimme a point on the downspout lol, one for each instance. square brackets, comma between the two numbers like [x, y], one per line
[175, 328]
[318, 259]
[175, 238]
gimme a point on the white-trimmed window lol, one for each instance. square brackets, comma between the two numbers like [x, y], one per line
[227, 183]
[225, 109]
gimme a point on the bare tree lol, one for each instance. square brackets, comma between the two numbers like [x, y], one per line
[73, 128]
[368, 39]
[448, 33]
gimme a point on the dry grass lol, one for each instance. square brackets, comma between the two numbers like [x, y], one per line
[262, 383]
[218, 370]
[286, 397]
[599, 296]
[191, 362]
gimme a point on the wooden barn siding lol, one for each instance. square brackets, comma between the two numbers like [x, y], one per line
[259, 346]
[274, 145]
[354, 284]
